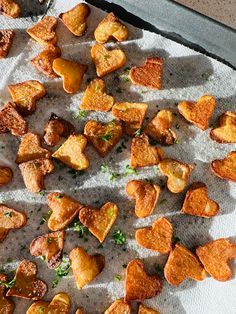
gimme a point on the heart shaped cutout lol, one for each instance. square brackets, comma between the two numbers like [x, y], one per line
[10, 8]
[146, 310]
[44, 31]
[6, 40]
[226, 131]
[119, 306]
[225, 168]
[6, 175]
[7, 306]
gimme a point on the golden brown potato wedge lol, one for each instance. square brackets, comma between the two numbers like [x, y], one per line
[177, 174]
[6, 40]
[95, 97]
[107, 61]
[103, 136]
[158, 237]
[71, 152]
[111, 26]
[198, 113]
[226, 131]
[225, 168]
[6, 175]
[7, 306]
[76, 19]
[119, 307]
[148, 75]
[27, 285]
[159, 128]
[44, 31]
[146, 310]
[143, 154]
[85, 267]
[10, 8]
[64, 210]
[138, 285]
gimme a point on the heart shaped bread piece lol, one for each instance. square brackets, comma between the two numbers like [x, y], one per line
[119, 307]
[99, 221]
[6, 40]
[103, 136]
[226, 131]
[85, 267]
[110, 26]
[182, 264]
[148, 75]
[7, 306]
[6, 175]
[225, 168]
[10, 8]
[27, 286]
[138, 285]
[95, 97]
[216, 256]
[76, 19]
[198, 113]
[44, 31]
[197, 203]
[146, 310]
[158, 237]
[107, 61]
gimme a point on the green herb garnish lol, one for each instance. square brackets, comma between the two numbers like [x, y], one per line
[80, 228]
[137, 133]
[106, 137]
[80, 114]
[117, 278]
[129, 170]
[61, 271]
[8, 214]
[119, 237]
[9, 284]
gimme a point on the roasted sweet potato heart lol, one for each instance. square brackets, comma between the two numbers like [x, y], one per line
[107, 61]
[146, 310]
[27, 286]
[138, 285]
[198, 113]
[103, 136]
[10, 8]
[50, 246]
[95, 98]
[216, 256]
[182, 264]
[76, 19]
[44, 31]
[225, 168]
[6, 175]
[119, 307]
[226, 131]
[10, 219]
[71, 152]
[7, 306]
[149, 75]
[197, 203]
[177, 173]
[99, 221]
[143, 154]
[85, 267]
[6, 40]
[110, 26]
[64, 210]
[158, 237]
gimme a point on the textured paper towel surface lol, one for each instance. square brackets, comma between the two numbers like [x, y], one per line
[187, 75]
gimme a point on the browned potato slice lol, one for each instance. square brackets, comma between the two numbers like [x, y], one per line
[27, 285]
[145, 195]
[71, 152]
[75, 19]
[177, 173]
[226, 131]
[85, 267]
[6, 40]
[111, 26]
[146, 310]
[198, 113]
[64, 210]
[12, 121]
[107, 61]
[34, 171]
[159, 128]
[6, 175]
[131, 114]
[148, 75]
[197, 202]
[99, 221]
[80, 311]
[72, 73]
[44, 60]
[44, 31]
[95, 97]
[10, 219]
[103, 136]
[143, 154]
[119, 307]
[138, 285]
[50, 246]
[158, 237]
[10, 8]
[216, 256]
[225, 168]
[7, 306]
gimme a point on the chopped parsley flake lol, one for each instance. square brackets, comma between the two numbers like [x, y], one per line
[8, 214]
[45, 217]
[80, 114]
[80, 228]
[129, 170]
[177, 126]
[9, 284]
[106, 137]
[119, 237]
[137, 133]
[117, 278]
[61, 271]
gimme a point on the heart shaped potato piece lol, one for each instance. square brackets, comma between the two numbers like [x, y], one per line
[225, 168]
[158, 237]
[145, 195]
[226, 131]
[138, 285]
[146, 310]
[6, 175]
[119, 307]
[110, 26]
[71, 152]
[6, 40]
[27, 286]
[216, 256]
[148, 75]
[177, 173]
[85, 267]
[95, 97]
[10, 8]
[80, 311]
[44, 31]
[197, 202]
[198, 113]
[76, 19]
[143, 154]
[103, 136]
[7, 306]
[107, 61]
